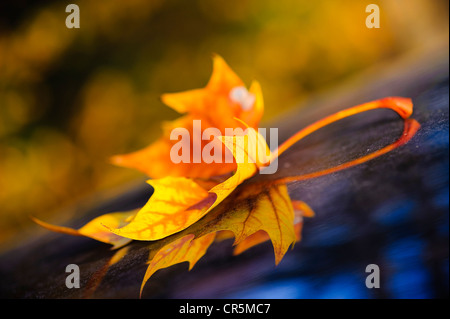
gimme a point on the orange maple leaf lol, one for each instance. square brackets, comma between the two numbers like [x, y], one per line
[223, 99]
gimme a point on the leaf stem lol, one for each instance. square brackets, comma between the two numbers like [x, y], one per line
[403, 106]
[410, 129]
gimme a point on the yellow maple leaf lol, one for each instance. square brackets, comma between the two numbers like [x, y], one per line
[244, 213]
[183, 249]
[171, 208]
[194, 203]
[178, 202]
[251, 216]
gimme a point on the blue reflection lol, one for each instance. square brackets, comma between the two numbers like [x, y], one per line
[407, 276]
[282, 289]
[344, 286]
[410, 283]
[394, 212]
[405, 252]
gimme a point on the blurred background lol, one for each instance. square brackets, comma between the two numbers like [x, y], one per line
[71, 98]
